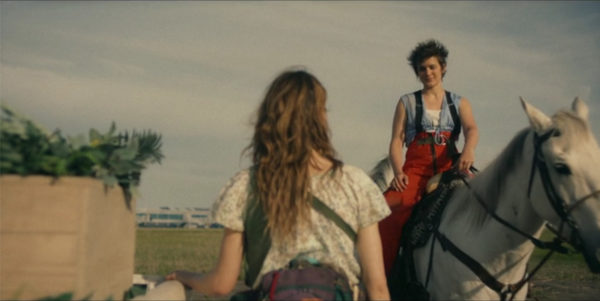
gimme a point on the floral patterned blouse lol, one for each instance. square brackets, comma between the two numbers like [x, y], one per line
[350, 193]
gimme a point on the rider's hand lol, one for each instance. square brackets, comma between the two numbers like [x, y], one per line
[172, 276]
[465, 161]
[185, 277]
[400, 182]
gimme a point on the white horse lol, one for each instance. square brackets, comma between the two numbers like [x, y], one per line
[549, 173]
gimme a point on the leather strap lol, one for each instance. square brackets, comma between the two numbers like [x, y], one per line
[419, 111]
[504, 290]
[455, 118]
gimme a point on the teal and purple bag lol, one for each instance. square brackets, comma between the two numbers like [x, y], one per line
[305, 280]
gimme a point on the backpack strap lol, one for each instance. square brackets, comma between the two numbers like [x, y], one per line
[257, 240]
[322, 208]
[455, 118]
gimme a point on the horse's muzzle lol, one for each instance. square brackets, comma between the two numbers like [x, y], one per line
[591, 254]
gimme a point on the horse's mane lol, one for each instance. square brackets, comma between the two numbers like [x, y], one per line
[382, 173]
[494, 176]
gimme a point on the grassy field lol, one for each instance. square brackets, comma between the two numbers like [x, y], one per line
[160, 251]
[563, 277]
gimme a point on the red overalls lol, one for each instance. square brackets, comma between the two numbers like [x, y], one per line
[424, 159]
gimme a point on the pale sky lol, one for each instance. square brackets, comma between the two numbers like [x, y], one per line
[195, 71]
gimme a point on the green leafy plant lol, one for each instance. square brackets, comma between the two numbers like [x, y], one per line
[116, 158]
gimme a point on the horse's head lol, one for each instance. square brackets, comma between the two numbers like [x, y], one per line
[567, 160]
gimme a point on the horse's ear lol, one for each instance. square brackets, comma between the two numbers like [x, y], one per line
[538, 120]
[581, 108]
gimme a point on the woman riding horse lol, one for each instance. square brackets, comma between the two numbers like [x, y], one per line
[429, 122]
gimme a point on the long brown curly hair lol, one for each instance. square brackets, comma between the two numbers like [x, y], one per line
[290, 125]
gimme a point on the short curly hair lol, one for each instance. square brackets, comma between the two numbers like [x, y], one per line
[425, 50]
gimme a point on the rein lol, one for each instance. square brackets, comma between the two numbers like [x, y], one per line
[560, 207]
[503, 289]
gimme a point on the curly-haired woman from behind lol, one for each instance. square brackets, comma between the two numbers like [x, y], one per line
[294, 163]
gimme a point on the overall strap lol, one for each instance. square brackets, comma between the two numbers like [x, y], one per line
[453, 112]
[455, 118]
[257, 240]
[418, 111]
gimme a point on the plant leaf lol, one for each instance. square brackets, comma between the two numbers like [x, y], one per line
[95, 137]
[110, 180]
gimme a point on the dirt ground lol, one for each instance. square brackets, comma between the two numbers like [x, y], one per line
[545, 289]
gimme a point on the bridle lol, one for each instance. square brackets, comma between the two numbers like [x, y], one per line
[560, 206]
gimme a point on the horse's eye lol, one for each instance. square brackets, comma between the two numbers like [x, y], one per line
[562, 169]
[556, 133]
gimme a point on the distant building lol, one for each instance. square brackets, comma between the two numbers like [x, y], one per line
[168, 217]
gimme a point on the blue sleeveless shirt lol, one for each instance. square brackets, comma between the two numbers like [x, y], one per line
[446, 122]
